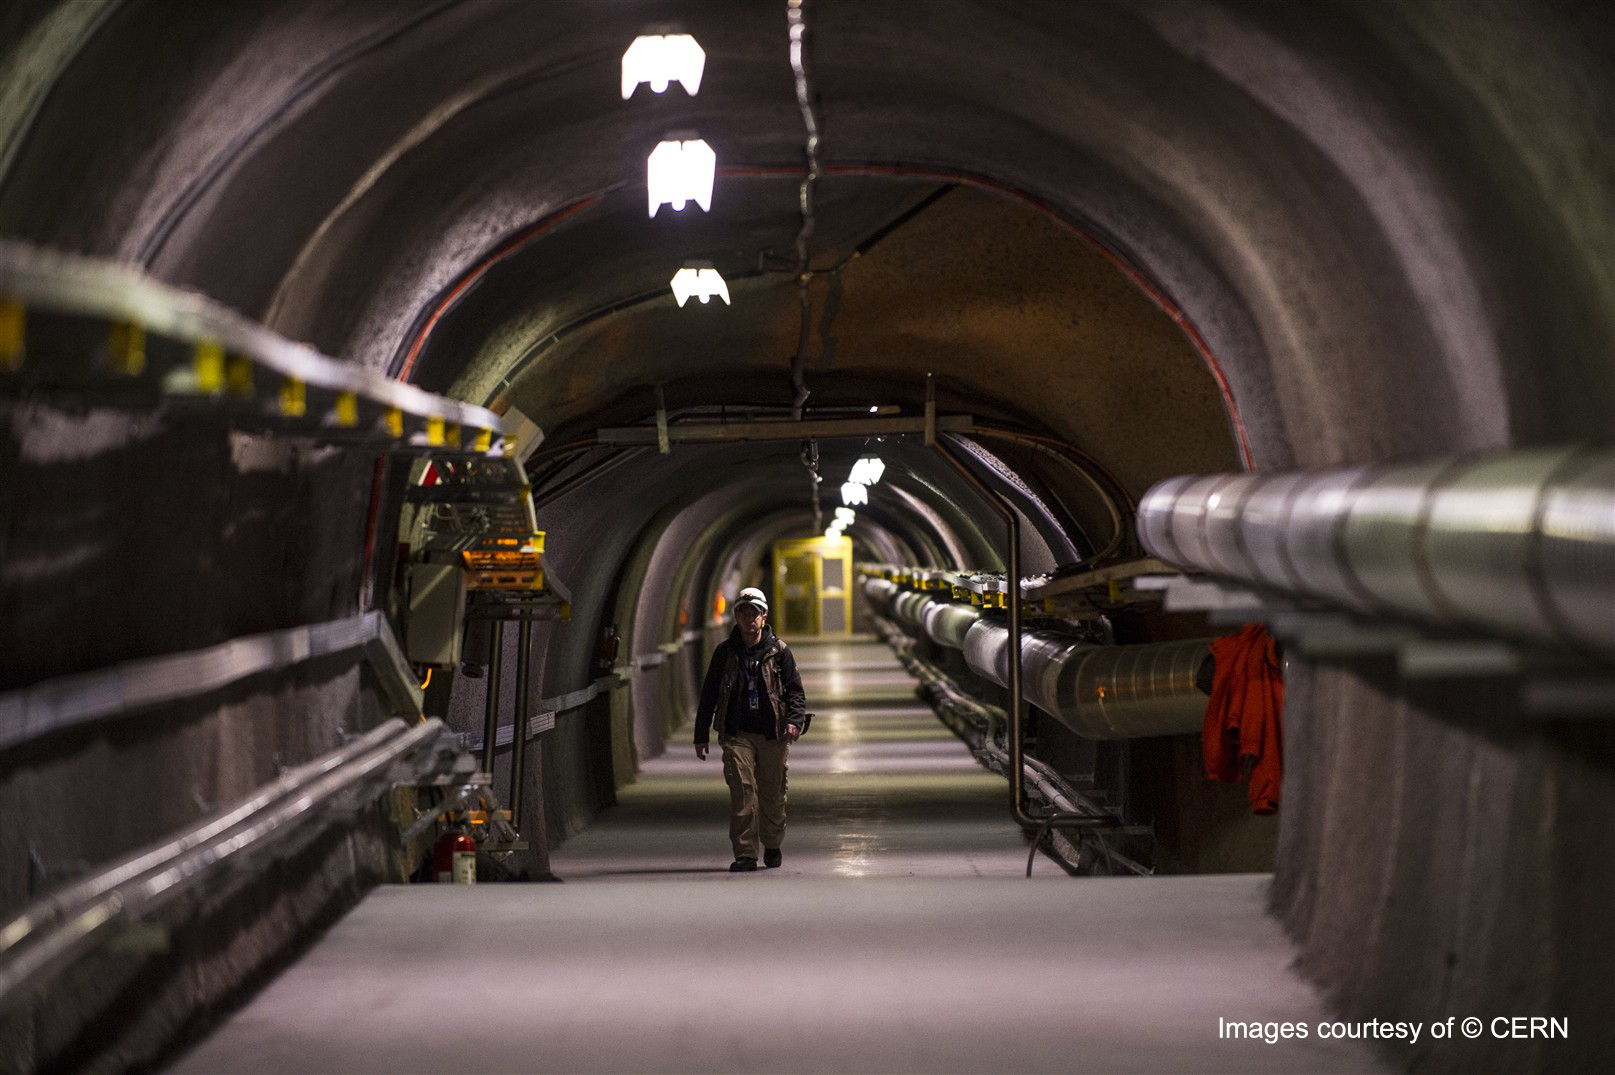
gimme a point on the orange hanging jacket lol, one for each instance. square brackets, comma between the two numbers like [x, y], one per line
[1243, 732]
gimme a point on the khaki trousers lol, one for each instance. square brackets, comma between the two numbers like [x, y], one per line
[754, 766]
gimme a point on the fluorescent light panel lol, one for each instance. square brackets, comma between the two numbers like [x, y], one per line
[867, 471]
[679, 172]
[699, 283]
[661, 59]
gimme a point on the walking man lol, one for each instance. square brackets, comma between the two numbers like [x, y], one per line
[754, 691]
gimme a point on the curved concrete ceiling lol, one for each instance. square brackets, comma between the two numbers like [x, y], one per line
[1176, 235]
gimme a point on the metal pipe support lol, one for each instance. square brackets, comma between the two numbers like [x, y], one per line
[518, 757]
[490, 719]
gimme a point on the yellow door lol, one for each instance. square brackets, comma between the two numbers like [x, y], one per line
[812, 577]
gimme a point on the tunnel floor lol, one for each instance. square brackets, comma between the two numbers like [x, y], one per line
[900, 935]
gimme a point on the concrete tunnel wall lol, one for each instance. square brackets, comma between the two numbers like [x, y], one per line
[1390, 224]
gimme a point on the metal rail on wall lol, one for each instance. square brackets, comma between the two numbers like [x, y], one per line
[64, 925]
[137, 686]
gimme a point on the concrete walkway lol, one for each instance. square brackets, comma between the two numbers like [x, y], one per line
[900, 935]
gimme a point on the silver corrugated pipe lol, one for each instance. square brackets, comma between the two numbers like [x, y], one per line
[1101, 692]
[1520, 545]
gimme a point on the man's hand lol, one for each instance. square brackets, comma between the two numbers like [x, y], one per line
[793, 732]
[701, 751]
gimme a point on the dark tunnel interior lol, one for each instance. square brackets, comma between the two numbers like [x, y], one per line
[1041, 259]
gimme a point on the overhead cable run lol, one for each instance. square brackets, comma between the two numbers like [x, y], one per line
[804, 100]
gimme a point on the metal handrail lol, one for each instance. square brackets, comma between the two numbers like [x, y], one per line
[980, 719]
[1017, 730]
[55, 929]
[87, 697]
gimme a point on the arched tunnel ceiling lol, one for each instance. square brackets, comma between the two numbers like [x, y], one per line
[1015, 315]
[358, 173]
[769, 481]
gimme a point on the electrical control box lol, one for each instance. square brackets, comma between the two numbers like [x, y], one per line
[436, 612]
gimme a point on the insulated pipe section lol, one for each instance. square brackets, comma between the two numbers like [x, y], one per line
[1520, 544]
[944, 621]
[1100, 692]
[948, 623]
[881, 593]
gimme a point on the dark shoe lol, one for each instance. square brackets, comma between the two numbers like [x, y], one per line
[743, 865]
[771, 857]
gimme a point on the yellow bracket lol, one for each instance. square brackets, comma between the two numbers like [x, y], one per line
[238, 375]
[484, 440]
[13, 334]
[434, 431]
[126, 347]
[209, 365]
[293, 398]
[451, 434]
[346, 410]
[394, 422]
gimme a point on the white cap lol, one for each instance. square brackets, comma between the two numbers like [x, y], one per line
[751, 595]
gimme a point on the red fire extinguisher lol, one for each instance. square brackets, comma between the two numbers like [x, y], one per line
[454, 857]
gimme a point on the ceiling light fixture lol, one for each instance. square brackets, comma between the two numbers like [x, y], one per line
[867, 471]
[854, 493]
[661, 59]
[680, 171]
[846, 516]
[700, 281]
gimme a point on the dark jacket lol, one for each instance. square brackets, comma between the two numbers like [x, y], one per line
[781, 683]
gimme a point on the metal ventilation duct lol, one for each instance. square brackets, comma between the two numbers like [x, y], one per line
[1520, 545]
